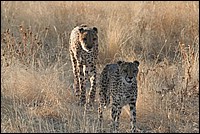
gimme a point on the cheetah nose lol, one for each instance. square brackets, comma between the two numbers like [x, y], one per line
[130, 77]
[89, 47]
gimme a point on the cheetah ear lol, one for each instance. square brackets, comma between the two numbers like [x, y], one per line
[81, 30]
[95, 29]
[136, 63]
[83, 25]
[119, 62]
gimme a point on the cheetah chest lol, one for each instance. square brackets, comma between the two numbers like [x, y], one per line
[127, 93]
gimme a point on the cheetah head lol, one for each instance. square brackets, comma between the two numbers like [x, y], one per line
[88, 38]
[128, 71]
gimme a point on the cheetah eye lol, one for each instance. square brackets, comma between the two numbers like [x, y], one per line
[134, 71]
[125, 71]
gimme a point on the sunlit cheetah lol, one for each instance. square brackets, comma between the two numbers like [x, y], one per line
[84, 51]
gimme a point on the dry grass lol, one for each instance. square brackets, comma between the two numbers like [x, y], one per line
[36, 73]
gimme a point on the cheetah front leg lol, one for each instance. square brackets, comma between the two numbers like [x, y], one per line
[75, 72]
[92, 91]
[82, 83]
[116, 111]
[133, 116]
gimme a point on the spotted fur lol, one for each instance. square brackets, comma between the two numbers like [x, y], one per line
[84, 51]
[120, 82]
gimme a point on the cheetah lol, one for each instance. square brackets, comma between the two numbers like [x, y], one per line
[120, 82]
[83, 48]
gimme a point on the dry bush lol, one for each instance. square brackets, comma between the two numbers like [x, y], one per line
[34, 101]
[36, 82]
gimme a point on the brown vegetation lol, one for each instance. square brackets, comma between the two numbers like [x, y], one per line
[36, 73]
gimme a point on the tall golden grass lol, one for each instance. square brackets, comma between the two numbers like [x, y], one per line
[36, 72]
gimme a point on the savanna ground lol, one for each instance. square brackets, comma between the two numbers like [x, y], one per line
[36, 72]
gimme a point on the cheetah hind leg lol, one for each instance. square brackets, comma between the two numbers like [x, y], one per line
[100, 118]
